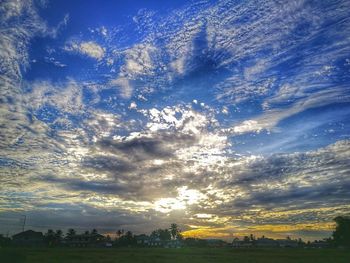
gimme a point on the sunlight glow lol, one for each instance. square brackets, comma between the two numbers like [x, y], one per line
[185, 198]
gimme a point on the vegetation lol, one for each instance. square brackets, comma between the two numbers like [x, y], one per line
[155, 255]
[341, 235]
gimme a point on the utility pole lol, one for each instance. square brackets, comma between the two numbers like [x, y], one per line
[24, 222]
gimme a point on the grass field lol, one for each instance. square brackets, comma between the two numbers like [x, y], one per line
[191, 255]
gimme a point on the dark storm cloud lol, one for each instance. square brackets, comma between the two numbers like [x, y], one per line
[79, 184]
[137, 147]
[143, 148]
[302, 197]
[108, 164]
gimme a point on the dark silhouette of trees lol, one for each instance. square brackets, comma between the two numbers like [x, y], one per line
[246, 239]
[341, 235]
[174, 231]
[162, 234]
[49, 237]
[127, 239]
[58, 236]
[52, 238]
[70, 234]
[4, 241]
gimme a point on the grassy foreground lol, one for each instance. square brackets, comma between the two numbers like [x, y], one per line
[154, 255]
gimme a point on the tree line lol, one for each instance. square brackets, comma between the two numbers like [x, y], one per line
[340, 237]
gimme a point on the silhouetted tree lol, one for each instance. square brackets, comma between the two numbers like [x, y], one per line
[4, 241]
[94, 232]
[71, 233]
[49, 237]
[162, 234]
[119, 233]
[341, 235]
[58, 236]
[126, 240]
[174, 231]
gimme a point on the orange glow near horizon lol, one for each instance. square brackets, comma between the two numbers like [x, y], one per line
[272, 231]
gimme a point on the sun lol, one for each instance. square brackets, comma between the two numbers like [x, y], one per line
[185, 198]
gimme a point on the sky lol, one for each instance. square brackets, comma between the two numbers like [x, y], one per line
[225, 117]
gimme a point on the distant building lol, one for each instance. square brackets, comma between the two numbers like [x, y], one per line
[237, 243]
[216, 243]
[320, 244]
[172, 243]
[155, 242]
[28, 238]
[142, 240]
[266, 242]
[287, 243]
[86, 240]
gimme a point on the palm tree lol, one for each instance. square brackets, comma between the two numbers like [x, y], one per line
[174, 231]
[119, 233]
[50, 237]
[58, 236]
[71, 233]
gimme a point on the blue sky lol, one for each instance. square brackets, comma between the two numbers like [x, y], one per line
[227, 117]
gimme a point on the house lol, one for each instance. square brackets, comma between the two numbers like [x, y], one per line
[216, 243]
[175, 243]
[155, 242]
[142, 240]
[236, 243]
[28, 238]
[266, 242]
[86, 240]
[320, 244]
[287, 243]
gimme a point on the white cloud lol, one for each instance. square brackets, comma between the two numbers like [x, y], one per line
[270, 118]
[88, 48]
[124, 86]
[247, 126]
[133, 105]
[138, 60]
[225, 110]
[66, 96]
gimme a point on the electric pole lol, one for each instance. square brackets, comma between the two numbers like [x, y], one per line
[24, 222]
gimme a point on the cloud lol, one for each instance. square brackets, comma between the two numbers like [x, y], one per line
[87, 48]
[138, 60]
[270, 119]
[67, 97]
[124, 85]
[71, 150]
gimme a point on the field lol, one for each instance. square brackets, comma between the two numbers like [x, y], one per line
[191, 255]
